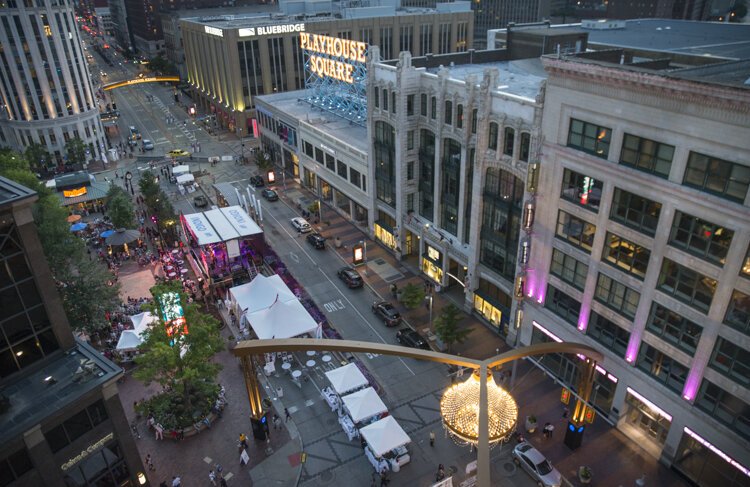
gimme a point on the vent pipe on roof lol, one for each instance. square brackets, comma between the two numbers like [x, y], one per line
[622, 58]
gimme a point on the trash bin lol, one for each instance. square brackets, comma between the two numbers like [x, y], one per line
[280, 392]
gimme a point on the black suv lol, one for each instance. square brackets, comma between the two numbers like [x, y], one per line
[410, 338]
[270, 194]
[317, 240]
[350, 277]
[257, 181]
[387, 312]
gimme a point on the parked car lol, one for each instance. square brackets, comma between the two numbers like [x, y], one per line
[257, 181]
[350, 277]
[410, 338]
[178, 153]
[316, 240]
[148, 144]
[536, 465]
[200, 201]
[270, 195]
[301, 225]
[386, 311]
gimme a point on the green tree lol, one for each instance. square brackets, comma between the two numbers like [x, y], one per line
[263, 160]
[120, 207]
[161, 65]
[412, 295]
[38, 158]
[183, 361]
[148, 185]
[88, 292]
[76, 150]
[446, 326]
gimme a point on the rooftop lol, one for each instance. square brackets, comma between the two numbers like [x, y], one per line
[291, 103]
[521, 78]
[11, 192]
[34, 396]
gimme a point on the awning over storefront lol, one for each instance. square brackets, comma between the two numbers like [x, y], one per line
[94, 191]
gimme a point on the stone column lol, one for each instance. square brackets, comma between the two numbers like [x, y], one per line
[42, 457]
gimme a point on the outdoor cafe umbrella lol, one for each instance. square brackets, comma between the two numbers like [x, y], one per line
[77, 227]
[73, 218]
[107, 233]
[122, 237]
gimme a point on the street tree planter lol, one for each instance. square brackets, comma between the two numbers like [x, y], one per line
[584, 474]
[531, 423]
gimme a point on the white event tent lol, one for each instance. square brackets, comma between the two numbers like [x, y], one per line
[364, 404]
[260, 293]
[346, 379]
[220, 225]
[384, 435]
[131, 339]
[282, 320]
[185, 178]
[183, 169]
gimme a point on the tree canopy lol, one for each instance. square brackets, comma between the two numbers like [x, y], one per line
[181, 362]
[412, 295]
[76, 150]
[446, 326]
[120, 207]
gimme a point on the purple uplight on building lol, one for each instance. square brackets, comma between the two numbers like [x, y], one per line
[691, 384]
[583, 317]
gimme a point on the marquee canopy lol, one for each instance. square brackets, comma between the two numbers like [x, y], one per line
[346, 378]
[178, 170]
[260, 293]
[221, 225]
[384, 435]
[142, 320]
[364, 404]
[282, 320]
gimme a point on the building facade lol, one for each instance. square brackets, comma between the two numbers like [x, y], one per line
[229, 62]
[641, 248]
[61, 420]
[45, 86]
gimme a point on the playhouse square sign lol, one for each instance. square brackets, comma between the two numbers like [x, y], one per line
[266, 30]
[338, 55]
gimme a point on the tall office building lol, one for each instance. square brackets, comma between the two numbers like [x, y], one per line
[61, 420]
[641, 248]
[45, 87]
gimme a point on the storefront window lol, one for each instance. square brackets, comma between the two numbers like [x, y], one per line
[432, 263]
[384, 229]
[343, 202]
[648, 420]
[325, 191]
[487, 310]
[705, 465]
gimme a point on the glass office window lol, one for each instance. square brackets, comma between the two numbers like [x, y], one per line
[589, 137]
[646, 155]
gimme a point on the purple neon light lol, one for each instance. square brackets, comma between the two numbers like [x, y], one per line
[691, 385]
[720, 453]
[583, 317]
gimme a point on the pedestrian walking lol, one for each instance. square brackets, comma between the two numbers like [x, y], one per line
[288, 416]
[176, 481]
[440, 475]
[219, 469]
[212, 477]
[276, 422]
[384, 480]
[149, 463]
[432, 438]
[547, 430]
[394, 290]
[243, 442]
[222, 482]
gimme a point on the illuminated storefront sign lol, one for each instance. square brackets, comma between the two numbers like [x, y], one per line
[172, 313]
[214, 31]
[88, 451]
[72, 193]
[358, 254]
[335, 74]
[267, 30]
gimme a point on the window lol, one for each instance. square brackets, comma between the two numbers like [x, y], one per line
[410, 140]
[713, 175]
[433, 108]
[409, 105]
[376, 97]
[384, 148]
[393, 102]
[14, 466]
[662, 367]
[448, 112]
[686, 285]
[423, 105]
[509, 141]
[725, 407]
[626, 255]
[608, 334]
[76, 426]
[330, 162]
[635, 211]
[745, 270]
[355, 177]
[459, 116]
[410, 170]
[674, 328]
[319, 155]
[474, 121]
[569, 269]
[567, 307]
[410, 202]
[525, 146]
[732, 361]
[589, 137]
[699, 237]
[385, 100]
[309, 149]
[738, 312]
[492, 136]
[576, 231]
[341, 169]
[616, 296]
[646, 155]
[581, 190]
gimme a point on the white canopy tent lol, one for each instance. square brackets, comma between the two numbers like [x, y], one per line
[364, 404]
[241, 221]
[185, 179]
[142, 320]
[282, 320]
[260, 293]
[384, 435]
[221, 225]
[346, 379]
[131, 339]
[177, 170]
[201, 229]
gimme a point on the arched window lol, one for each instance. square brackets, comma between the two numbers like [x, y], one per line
[492, 136]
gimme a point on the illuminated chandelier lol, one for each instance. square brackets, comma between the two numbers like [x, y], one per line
[459, 408]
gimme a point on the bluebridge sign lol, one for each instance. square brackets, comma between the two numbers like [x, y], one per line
[335, 75]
